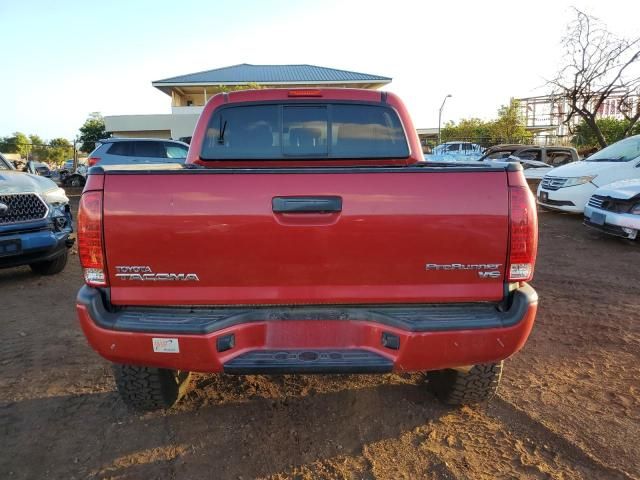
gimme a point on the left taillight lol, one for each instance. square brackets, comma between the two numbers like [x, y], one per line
[90, 245]
[93, 161]
[523, 235]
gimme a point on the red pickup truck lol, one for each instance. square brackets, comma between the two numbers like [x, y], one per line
[305, 234]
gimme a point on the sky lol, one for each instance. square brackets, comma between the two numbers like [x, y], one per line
[63, 59]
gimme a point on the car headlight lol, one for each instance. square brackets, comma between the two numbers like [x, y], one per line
[573, 181]
[635, 210]
[55, 196]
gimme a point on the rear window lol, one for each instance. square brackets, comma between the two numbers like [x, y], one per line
[293, 131]
[121, 148]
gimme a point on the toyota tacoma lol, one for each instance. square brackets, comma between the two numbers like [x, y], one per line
[305, 234]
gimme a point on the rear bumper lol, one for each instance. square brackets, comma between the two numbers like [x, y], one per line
[318, 339]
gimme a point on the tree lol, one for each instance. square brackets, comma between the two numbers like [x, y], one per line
[17, 143]
[60, 149]
[472, 129]
[39, 148]
[612, 129]
[91, 131]
[598, 64]
[510, 126]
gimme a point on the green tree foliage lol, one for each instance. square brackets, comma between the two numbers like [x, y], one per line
[468, 128]
[34, 147]
[60, 149]
[91, 131]
[39, 150]
[509, 127]
[611, 129]
[16, 143]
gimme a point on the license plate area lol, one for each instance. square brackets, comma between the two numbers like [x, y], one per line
[10, 247]
[598, 218]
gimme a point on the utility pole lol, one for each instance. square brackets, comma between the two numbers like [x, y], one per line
[440, 117]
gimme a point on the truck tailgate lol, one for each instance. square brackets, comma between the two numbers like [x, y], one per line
[212, 238]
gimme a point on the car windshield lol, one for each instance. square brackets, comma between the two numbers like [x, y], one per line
[622, 151]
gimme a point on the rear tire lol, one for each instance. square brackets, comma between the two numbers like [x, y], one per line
[466, 386]
[149, 388]
[51, 267]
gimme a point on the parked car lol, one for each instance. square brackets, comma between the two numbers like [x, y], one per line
[615, 209]
[553, 156]
[38, 168]
[76, 179]
[533, 170]
[5, 164]
[121, 151]
[569, 187]
[35, 222]
[306, 235]
[455, 152]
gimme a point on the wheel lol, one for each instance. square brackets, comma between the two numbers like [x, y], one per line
[476, 384]
[77, 181]
[51, 267]
[149, 388]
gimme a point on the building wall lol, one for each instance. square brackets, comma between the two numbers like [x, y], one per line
[155, 126]
[143, 134]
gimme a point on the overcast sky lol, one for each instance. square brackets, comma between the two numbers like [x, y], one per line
[63, 59]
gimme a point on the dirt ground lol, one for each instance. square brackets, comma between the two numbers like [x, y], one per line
[569, 405]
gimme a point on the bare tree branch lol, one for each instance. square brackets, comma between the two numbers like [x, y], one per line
[599, 65]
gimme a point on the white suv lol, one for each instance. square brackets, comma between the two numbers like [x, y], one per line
[570, 186]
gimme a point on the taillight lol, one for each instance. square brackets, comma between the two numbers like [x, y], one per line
[93, 160]
[305, 93]
[90, 239]
[523, 234]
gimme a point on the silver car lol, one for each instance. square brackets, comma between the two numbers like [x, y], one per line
[615, 209]
[126, 151]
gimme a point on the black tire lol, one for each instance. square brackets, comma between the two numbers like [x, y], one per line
[149, 388]
[51, 267]
[77, 181]
[466, 386]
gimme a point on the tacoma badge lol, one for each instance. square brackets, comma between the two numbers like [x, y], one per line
[145, 274]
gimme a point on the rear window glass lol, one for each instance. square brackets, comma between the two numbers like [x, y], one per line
[293, 131]
[121, 148]
[150, 150]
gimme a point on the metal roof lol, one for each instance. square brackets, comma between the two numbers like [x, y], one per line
[271, 74]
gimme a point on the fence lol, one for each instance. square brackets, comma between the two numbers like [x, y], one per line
[19, 153]
[486, 142]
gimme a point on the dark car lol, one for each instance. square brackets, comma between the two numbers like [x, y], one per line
[38, 168]
[552, 156]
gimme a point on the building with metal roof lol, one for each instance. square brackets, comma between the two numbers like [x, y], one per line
[189, 93]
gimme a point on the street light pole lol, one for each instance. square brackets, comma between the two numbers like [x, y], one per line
[440, 116]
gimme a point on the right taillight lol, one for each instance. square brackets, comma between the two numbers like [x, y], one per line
[93, 160]
[90, 246]
[523, 234]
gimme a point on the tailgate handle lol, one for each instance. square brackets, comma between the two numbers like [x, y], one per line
[327, 204]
